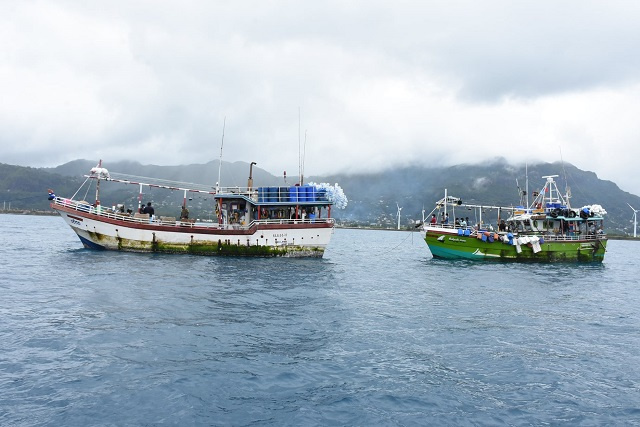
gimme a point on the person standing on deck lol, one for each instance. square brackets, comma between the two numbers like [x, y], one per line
[149, 210]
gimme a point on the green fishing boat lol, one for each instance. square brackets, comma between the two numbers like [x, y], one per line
[546, 230]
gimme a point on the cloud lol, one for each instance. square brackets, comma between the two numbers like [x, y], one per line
[359, 86]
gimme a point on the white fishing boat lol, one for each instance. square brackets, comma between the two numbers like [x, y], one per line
[292, 221]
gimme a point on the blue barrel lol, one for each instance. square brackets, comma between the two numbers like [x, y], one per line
[311, 193]
[302, 195]
[261, 195]
[284, 194]
[322, 195]
[273, 196]
[293, 194]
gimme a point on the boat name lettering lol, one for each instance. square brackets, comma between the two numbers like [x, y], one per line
[280, 235]
[455, 239]
[75, 221]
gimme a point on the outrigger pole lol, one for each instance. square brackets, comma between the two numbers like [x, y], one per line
[153, 185]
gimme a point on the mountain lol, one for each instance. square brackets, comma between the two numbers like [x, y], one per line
[231, 174]
[372, 196]
[26, 188]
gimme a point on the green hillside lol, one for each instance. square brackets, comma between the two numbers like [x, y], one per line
[372, 197]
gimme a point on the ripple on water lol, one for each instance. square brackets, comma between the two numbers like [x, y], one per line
[376, 333]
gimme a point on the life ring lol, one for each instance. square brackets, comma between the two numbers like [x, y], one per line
[553, 214]
[572, 214]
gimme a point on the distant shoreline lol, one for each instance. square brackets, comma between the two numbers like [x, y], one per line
[53, 213]
[28, 212]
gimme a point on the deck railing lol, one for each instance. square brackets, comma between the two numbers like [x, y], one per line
[551, 236]
[136, 218]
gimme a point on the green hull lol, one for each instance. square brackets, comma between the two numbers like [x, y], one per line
[464, 247]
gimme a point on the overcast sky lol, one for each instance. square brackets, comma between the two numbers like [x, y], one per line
[372, 84]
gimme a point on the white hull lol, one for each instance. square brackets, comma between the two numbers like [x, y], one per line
[293, 238]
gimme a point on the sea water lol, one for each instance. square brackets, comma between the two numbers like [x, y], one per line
[375, 333]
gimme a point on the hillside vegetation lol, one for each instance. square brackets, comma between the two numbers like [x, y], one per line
[372, 197]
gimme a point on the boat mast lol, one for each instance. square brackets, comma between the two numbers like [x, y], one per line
[526, 185]
[98, 186]
[220, 161]
[445, 203]
[140, 200]
[299, 152]
[567, 189]
[304, 151]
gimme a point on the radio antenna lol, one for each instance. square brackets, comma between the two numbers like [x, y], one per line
[224, 123]
[304, 152]
[299, 152]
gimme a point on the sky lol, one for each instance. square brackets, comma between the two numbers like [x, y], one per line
[323, 86]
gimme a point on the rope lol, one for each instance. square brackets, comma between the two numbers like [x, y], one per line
[399, 244]
[79, 188]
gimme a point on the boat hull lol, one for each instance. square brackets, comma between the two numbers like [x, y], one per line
[453, 246]
[288, 239]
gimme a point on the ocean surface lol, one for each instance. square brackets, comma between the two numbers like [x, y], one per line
[377, 333]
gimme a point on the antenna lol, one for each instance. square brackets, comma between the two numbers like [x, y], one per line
[224, 123]
[399, 209]
[526, 185]
[564, 171]
[299, 152]
[304, 152]
[635, 219]
[520, 192]
[567, 189]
